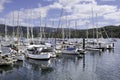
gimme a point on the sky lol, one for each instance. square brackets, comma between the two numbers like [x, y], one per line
[80, 14]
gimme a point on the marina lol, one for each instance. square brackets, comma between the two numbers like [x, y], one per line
[59, 40]
[96, 65]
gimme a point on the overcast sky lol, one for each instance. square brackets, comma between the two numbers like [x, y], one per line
[60, 13]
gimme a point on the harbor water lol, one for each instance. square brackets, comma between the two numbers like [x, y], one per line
[94, 65]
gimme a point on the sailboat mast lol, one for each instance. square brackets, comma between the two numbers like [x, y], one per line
[28, 29]
[40, 34]
[44, 28]
[69, 30]
[28, 34]
[31, 25]
[13, 26]
[66, 35]
[59, 22]
[87, 24]
[18, 34]
[93, 24]
[5, 30]
[31, 32]
[75, 30]
[97, 26]
[68, 26]
[63, 33]
[53, 30]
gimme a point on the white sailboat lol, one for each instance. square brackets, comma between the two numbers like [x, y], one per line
[17, 48]
[41, 56]
[39, 50]
[68, 47]
[38, 53]
[98, 43]
[6, 58]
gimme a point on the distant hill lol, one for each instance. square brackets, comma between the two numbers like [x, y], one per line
[106, 31]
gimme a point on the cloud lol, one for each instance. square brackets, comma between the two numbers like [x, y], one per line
[27, 15]
[84, 11]
[31, 14]
[113, 16]
[80, 10]
[76, 24]
[55, 5]
[69, 5]
[2, 2]
[34, 13]
[2, 20]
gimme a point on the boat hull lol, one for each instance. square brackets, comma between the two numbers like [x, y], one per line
[71, 52]
[41, 56]
[20, 57]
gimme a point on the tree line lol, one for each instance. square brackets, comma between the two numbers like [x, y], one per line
[47, 32]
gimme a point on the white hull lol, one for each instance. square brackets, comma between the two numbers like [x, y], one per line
[53, 55]
[71, 52]
[101, 45]
[92, 49]
[39, 56]
[20, 57]
[57, 50]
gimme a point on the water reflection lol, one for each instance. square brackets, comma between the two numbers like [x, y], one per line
[93, 65]
[5, 69]
[110, 50]
[83, 62]
[28, 70]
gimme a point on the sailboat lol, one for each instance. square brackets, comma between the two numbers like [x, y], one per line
[98, 44]
[68, 47]
[17, 48]
[73, 48]
[40, 50]
[6, 41]
[6, 58]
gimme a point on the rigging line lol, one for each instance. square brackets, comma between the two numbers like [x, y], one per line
[105, 32]
[59, 22]
[60, 18]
